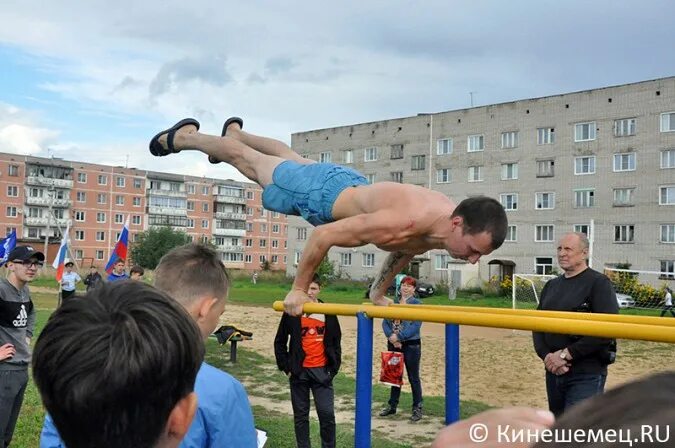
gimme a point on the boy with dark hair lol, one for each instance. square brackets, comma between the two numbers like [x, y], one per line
[136, 272]
[102, 393]
[195, 277]
[307, 350]
[118, 272]
[17, 321]
[93, 279]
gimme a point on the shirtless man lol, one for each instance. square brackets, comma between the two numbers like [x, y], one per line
[405, 220]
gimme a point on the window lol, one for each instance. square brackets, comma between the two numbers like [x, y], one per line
[443, 176]
[667, 122]
[205, 223]
[263, 228]
[584, 198]
[397, 176]
[248, 242]
[136, 220]
[275, 259]
[191, 188]
[250, 195]
[190, 205]
[12, 191]
[296, 258]
[13, 170]
[475, 143]
[117, 236]
[623, 197]
[509, 201]
[263, 243]
[205, 207]
[248, 258]
[276, 214]
[418, 163]
[543, 233]
[137, 201]
[584, 165]
[33, 233]
[79, 216]
[100, 236]
[545, 168]
[368, 260]
[511, 234]
[102, 180]
[475, 174]
[624, 162]
[302, 233]
[370, 178]
[581, 228]
[205, 190]
[99, 255]
[35, 212]
[345, 259]
[444, 146]
[100, 217]
[544, 201]
[119, 199]
[545, 136]
[138, 183]
[120, 181]
[275, 244]
[584, 132]
[543, 265]
[11, 212]
[81, 196]
[119, 218]
[509, 139]
[624, 233]
[325, 157]
[669, 267]
[82, 178]
[441, 262]
[276, 228]
[396, 151]
[79, 254]
[667, 195]
[10, 230]
[668, 233]
[668, 158]
[624, 127]
[249, 227]
[347, 156]
[509, 171]
[370, 155]
[101, 198]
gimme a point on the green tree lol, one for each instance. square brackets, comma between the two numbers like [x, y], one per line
[151, 245]
[326, 271]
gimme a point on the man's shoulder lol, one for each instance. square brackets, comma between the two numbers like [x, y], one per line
[214, 380]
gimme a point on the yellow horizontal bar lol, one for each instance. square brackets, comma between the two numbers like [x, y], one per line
[646, 320]
[596, 328]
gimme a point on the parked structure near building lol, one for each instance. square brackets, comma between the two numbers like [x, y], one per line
[604, 156]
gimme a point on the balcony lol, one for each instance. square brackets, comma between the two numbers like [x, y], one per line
[48, 181]
[37, 221]
[233, 216]
[230, 232]
[45, 202]
[234, 264]
[229, 199]
[230, 248]
[168, 193]
[171, 211]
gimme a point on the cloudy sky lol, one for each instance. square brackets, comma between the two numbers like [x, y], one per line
[95, 80]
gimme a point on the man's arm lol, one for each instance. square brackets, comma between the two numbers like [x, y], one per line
[392, 266]
[348, 232]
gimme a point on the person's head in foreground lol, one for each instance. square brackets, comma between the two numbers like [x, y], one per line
[194, 276]
[479, 227]
[117, 368]
[136, 272]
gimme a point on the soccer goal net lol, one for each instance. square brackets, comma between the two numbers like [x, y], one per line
[640, 289]
[526, 289]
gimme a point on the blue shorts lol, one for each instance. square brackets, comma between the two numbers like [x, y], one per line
[309, 190]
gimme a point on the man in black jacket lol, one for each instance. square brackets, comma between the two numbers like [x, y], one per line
[311, 358]
[576, 366]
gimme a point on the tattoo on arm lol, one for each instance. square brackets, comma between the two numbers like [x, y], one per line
[387, 268]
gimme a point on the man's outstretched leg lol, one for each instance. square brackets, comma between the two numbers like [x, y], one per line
[265, 145]
[255, 165]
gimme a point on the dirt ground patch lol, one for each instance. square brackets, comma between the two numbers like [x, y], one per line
[497, 367]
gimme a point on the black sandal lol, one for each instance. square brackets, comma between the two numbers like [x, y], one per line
[156, 148]
[228, 122]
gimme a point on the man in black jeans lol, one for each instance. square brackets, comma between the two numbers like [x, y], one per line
[310, 359]
[576, 366]
[404, 336]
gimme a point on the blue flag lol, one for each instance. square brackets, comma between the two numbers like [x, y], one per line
[6, 246]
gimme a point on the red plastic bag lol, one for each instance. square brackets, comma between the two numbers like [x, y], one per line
[392, 369]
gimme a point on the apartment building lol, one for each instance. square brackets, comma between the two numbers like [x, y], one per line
[266, 232]
[600, 161]
[42, 195]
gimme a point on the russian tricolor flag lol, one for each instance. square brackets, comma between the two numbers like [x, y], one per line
[120, 250]
[61, 256]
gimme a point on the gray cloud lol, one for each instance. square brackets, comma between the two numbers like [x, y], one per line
[207, 69]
